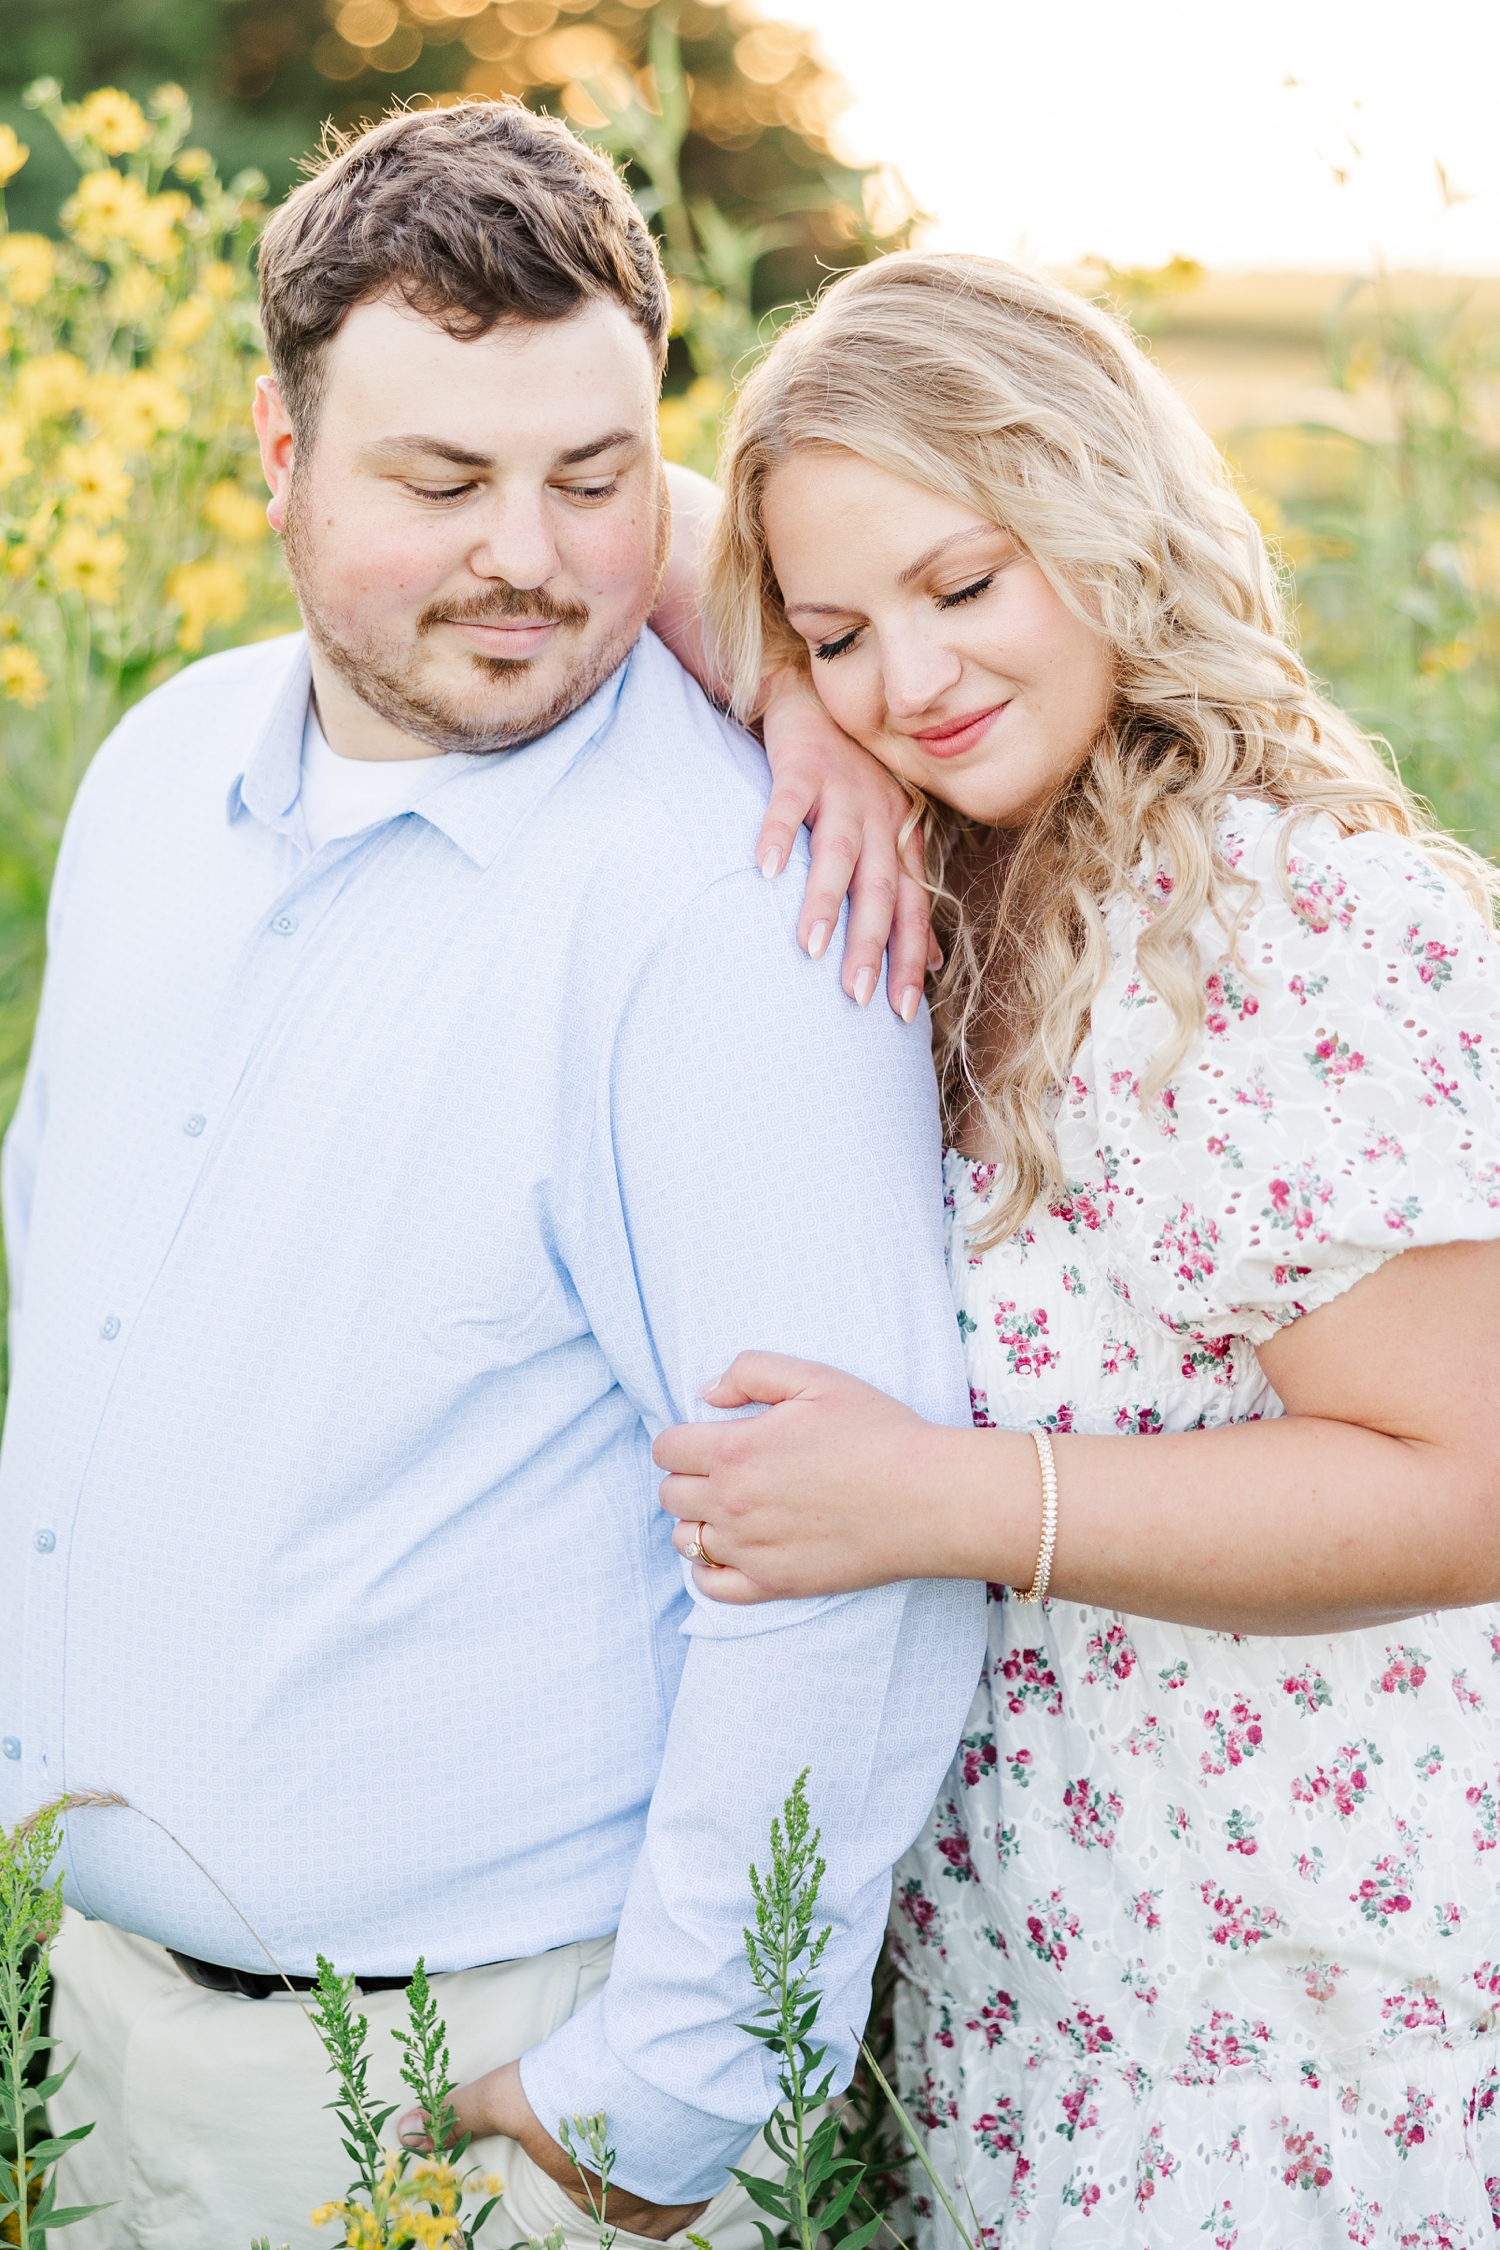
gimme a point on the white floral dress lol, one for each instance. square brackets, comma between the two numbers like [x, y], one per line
[1202, 1941]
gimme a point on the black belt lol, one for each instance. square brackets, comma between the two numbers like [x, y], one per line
[251, 1984]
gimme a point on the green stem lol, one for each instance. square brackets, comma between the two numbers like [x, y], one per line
[918, 2150]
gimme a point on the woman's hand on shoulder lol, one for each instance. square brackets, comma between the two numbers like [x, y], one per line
[853, 808]
[826, 1492]
[855, 812]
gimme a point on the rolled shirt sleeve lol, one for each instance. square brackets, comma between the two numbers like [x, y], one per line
[765, 1161]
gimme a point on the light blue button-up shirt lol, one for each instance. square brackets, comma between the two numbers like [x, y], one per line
[369, 1211]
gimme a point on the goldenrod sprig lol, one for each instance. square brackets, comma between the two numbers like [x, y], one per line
[30, 1917]
[820, 2183]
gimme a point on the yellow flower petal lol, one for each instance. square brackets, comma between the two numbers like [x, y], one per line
[111, 120]
[21, 675]
[27, 264]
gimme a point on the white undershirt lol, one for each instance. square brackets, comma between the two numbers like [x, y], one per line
[340, 796]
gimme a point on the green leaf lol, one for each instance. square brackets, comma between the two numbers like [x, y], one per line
[864, 2235]
[67, 2218]
[765, 2193]
[834, 2211]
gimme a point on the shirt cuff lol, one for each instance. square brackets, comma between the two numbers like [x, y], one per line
[666, 2150]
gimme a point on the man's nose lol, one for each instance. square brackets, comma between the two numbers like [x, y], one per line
[516, 543]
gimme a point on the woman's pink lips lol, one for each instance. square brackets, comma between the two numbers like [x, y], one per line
[957, 735]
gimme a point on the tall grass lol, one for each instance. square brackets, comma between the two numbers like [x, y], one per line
[1393, 541]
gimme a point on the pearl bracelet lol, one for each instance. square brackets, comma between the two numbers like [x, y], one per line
[1037, 1591]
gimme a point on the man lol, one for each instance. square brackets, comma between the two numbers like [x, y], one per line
[429, 1098]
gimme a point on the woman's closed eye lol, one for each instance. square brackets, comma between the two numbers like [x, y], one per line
[827, 650]
[968, 593]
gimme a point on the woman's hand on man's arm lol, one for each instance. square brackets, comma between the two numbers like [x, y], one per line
[851, 806]
[1375, 1497]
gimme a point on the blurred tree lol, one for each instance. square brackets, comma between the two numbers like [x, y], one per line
[751, 144]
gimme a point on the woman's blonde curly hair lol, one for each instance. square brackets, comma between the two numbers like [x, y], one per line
[1000, 388]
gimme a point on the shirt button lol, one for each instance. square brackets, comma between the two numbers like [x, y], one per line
[284, 924]
[194, 1125]
[10, 1746]
[109, 1329]
[44, 1542]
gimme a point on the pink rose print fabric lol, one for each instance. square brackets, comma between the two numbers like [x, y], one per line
[1202, 1941]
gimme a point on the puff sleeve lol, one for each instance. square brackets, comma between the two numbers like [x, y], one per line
[1341, 1104]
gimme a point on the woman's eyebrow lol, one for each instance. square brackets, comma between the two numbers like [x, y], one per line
[925, 561]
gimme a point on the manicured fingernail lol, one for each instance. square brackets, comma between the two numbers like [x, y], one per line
[864, 985]
[817, 944]
[911, 1000]
[770, 865]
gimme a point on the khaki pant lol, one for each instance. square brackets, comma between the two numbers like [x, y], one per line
[209, 2124]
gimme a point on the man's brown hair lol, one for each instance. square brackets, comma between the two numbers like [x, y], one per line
[473, 215]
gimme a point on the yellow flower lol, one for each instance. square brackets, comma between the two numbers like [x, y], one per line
[207, 593]
[21, 676]
[138, 292]
[132, 410]
[112, 209]
[193, 164]
[232, 510]
[218, 278]
[84, 562]
[28, 263]
[100, 487]
[50, 386]
[106, 209]
[111, 120]
[154, 231]
[187, 323]
[13, 153]
[20, 560]
[13, 461]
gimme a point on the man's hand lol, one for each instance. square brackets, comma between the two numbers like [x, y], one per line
[497, 2103]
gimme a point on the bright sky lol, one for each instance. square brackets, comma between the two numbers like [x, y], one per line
[1137, 129]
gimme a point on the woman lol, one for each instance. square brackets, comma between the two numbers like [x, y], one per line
[1203, 1937]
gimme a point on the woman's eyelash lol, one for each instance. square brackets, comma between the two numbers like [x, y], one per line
[829, 649]
[967, 593]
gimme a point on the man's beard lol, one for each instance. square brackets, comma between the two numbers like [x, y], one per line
[392, 683]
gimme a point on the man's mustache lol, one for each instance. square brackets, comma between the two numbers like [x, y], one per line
[504, 605]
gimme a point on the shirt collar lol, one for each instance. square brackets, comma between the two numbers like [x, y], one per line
[478, 810]
[271, 781]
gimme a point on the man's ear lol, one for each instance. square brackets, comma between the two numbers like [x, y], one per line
[274, 429]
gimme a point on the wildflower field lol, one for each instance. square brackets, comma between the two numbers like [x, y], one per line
[132, 515]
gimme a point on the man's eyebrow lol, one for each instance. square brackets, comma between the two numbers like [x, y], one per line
[956, 539]
[596, 446]
[432, 448]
